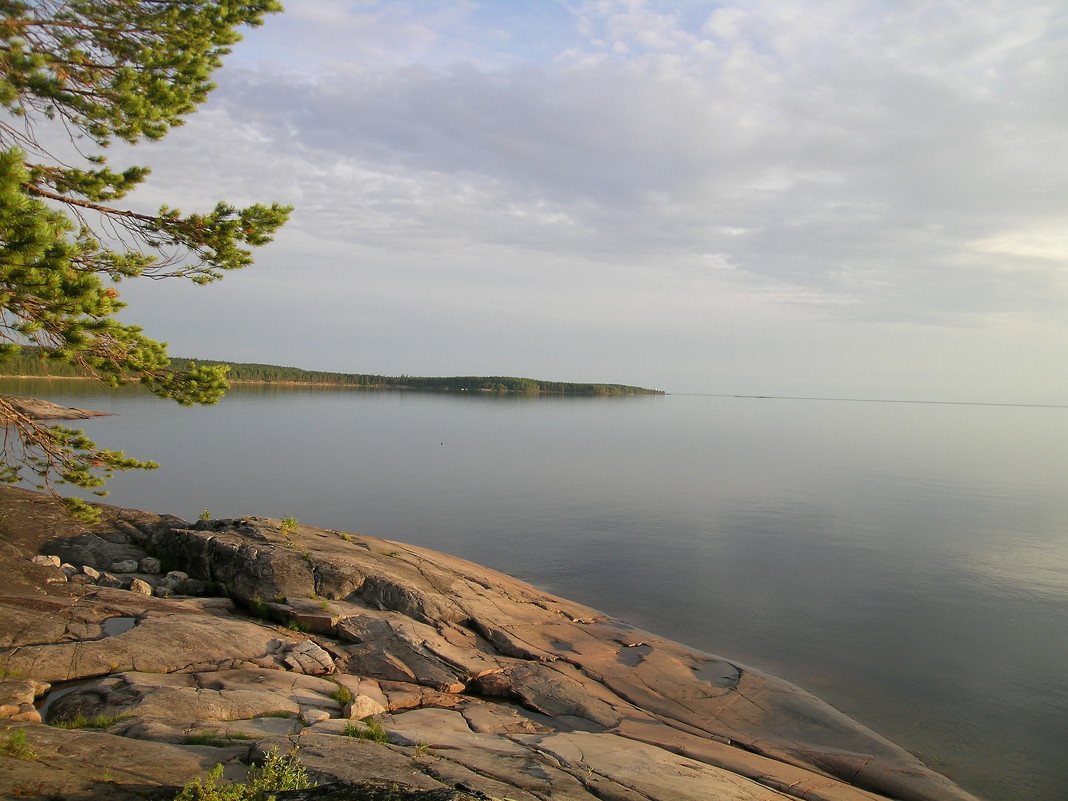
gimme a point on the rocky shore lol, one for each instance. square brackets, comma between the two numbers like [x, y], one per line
[138, 653]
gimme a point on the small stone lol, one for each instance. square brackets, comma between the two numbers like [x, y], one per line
[68, 568]
[125, 566]
[308, 658]
[177, 575]
[361, 706]
[313, 716]
[109, 580]
[150, 565]
[141, 586]
[28, 713]
[91, 572]
[80, 578]
[47, 560]
[164, 592]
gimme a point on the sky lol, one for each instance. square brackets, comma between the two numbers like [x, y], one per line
[850, 198]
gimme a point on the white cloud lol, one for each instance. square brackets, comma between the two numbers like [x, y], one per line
[857, 161]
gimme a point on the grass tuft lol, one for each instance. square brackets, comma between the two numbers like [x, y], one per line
[367, 729]
[83, 721]
[17, 746]
[343, 695]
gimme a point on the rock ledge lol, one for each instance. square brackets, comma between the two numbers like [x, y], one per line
[387, 666]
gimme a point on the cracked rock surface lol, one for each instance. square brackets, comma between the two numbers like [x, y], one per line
[390, 668]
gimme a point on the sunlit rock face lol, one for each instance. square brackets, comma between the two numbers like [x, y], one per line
[384, 664]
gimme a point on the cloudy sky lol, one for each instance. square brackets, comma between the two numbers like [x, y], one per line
[851, 198]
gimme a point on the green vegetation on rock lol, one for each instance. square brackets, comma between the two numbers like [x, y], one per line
[17, 746]
[368, 729]
[82, 721]
[276, 774]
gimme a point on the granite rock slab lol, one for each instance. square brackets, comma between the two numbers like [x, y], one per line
[385, 665]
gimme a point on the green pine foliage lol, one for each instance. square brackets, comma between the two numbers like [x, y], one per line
[88, 73]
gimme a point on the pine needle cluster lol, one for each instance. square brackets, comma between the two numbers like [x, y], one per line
[76, 76]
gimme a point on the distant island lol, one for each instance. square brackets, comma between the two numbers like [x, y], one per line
[28, 364]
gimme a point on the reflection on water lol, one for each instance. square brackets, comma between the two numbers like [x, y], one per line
[906, 562]
[1025, 565]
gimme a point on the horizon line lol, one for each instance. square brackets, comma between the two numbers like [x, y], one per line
[876, 400]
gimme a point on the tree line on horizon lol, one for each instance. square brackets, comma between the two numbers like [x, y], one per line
[29, 363]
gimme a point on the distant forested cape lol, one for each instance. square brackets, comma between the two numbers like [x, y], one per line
[30, 364]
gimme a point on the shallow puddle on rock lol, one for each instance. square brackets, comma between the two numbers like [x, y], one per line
[59, 689]
[719, 673]
[114, 626]
[632, 655]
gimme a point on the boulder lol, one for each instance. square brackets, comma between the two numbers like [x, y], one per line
[191, 586]
[141, 586]
[111, 580]
[363, 706]
[125, 566]
[308, 658]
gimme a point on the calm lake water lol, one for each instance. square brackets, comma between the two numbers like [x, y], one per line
[906, 562]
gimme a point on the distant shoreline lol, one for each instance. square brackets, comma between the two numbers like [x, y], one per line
[622, 391]
[34, 363]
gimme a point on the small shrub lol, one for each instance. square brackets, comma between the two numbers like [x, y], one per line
[276, 774]
[205, 515]
[288, 523]
[344, 536]
[296, 625]
[392, 554]
[17, 745]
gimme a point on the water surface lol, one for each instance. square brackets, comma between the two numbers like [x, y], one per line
[906, 562]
